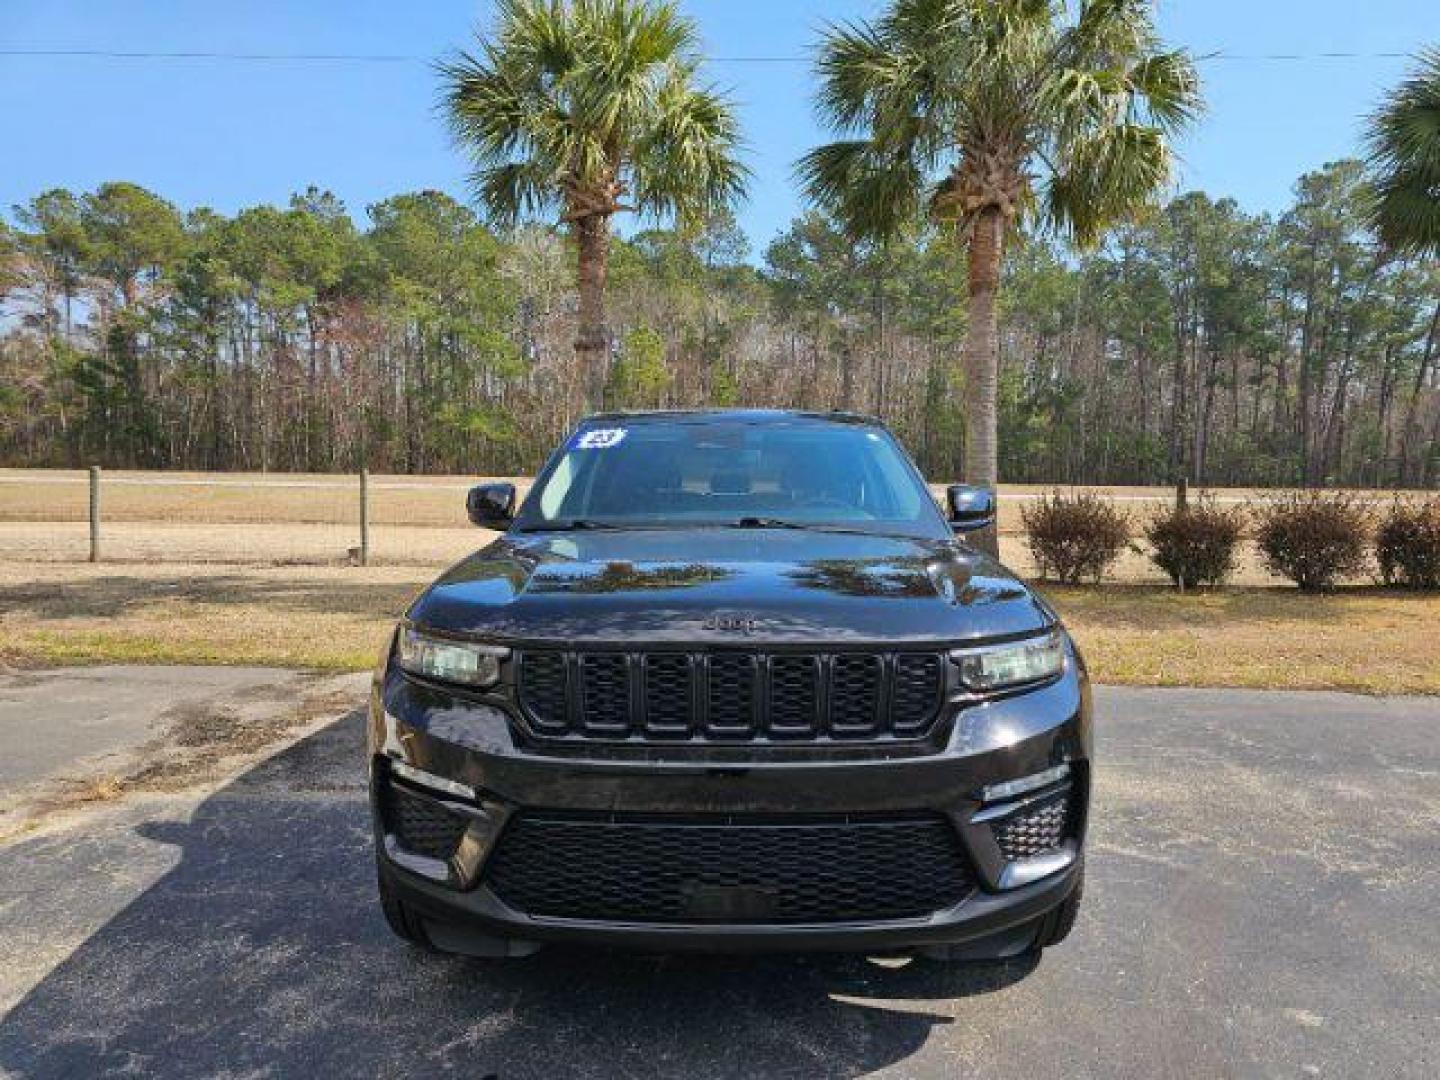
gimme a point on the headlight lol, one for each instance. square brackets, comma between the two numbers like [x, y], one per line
[998, 667]
[449, 660]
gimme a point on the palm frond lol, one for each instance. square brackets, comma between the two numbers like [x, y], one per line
[1104, 178]
[688, 162]
[1168, 89]
[923, 21]
[488, 112]
[1111, 27]
[575, 103]
[1080, 95]
[514, 191]
[993, 96]
[1407, 213]
[874, 193]
[883, 80]
[857, 65]
[535, 36]
[1404, 158]
[630, 38]
[628, 48]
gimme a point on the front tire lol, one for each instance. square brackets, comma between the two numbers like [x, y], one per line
[1054, 926]
[401, 917]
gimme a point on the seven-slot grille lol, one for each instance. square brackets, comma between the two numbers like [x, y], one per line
[729, 870]
[677, 696]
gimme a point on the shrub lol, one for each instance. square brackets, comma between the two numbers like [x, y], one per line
[1074, 537]
[1407, 545]
[1196, 545]
[1314, 538]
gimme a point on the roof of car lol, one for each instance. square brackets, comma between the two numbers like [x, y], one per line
[742, 416]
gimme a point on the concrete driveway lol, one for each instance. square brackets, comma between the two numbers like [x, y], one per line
[65, 723]
[1263, 901]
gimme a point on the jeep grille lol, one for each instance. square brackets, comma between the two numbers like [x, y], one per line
[669, 696]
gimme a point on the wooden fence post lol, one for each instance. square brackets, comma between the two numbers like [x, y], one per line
[94, 513]
[1182, 494]
[364, 517]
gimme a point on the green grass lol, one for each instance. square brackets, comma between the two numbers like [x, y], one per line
[58, 649]
[1362, 639]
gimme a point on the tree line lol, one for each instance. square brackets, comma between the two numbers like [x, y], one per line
[1199, 340]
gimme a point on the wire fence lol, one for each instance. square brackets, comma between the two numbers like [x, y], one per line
[54, 515]
[323, 519]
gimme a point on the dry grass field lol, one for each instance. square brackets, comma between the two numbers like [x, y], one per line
[241, 569]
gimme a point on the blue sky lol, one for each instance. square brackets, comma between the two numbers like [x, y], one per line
[229, 134]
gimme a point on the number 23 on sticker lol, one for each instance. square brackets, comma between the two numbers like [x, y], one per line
[601, 439]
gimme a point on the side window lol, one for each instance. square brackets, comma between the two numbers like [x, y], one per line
[553, 497]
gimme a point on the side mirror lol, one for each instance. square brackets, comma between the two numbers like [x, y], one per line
[491, 506]
[971, 508]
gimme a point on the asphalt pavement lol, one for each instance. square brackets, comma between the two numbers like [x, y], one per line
[1263, 900]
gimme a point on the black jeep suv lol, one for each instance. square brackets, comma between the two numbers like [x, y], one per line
[730, 681]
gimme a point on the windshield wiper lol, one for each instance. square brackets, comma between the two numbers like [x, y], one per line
[784, 523]
[764, 523]
[574, 525]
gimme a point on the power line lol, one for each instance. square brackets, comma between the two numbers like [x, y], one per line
[111, 54]
[401, 58]
[1307, 56]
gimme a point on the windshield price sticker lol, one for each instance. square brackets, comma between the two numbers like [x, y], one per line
[601, 439]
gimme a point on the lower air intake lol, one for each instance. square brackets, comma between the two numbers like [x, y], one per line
[696, 871]
[421, 825]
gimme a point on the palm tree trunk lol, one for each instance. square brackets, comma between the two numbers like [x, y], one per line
[592, 336]
[981, 358]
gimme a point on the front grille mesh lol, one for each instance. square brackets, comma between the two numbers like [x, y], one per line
[668, 692]
[855, 695]
[420, 824]
[794, 695]
[1036, 829]
[605, 694]
[543, 680]
[731, 695]
[666, 871]
[917, 676]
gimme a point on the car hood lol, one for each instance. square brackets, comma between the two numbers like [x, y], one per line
[728, 587]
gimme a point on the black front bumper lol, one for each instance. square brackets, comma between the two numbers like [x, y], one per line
[477, 745]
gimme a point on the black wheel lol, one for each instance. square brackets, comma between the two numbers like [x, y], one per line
[402, 918]
[1055, 926]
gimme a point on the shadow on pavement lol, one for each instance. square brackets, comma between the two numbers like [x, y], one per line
[263, 952]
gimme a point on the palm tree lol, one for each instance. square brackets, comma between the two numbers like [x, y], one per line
[1404, 138]
[584, 109]
[1404, 143]
[988, 114]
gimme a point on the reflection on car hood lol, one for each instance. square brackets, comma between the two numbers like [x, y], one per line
[733, 587]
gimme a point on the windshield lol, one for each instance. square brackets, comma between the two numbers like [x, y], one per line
[648, 472]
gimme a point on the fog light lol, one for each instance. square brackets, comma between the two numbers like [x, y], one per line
[1034, 782]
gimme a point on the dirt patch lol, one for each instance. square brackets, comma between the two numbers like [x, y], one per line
[202, 739]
